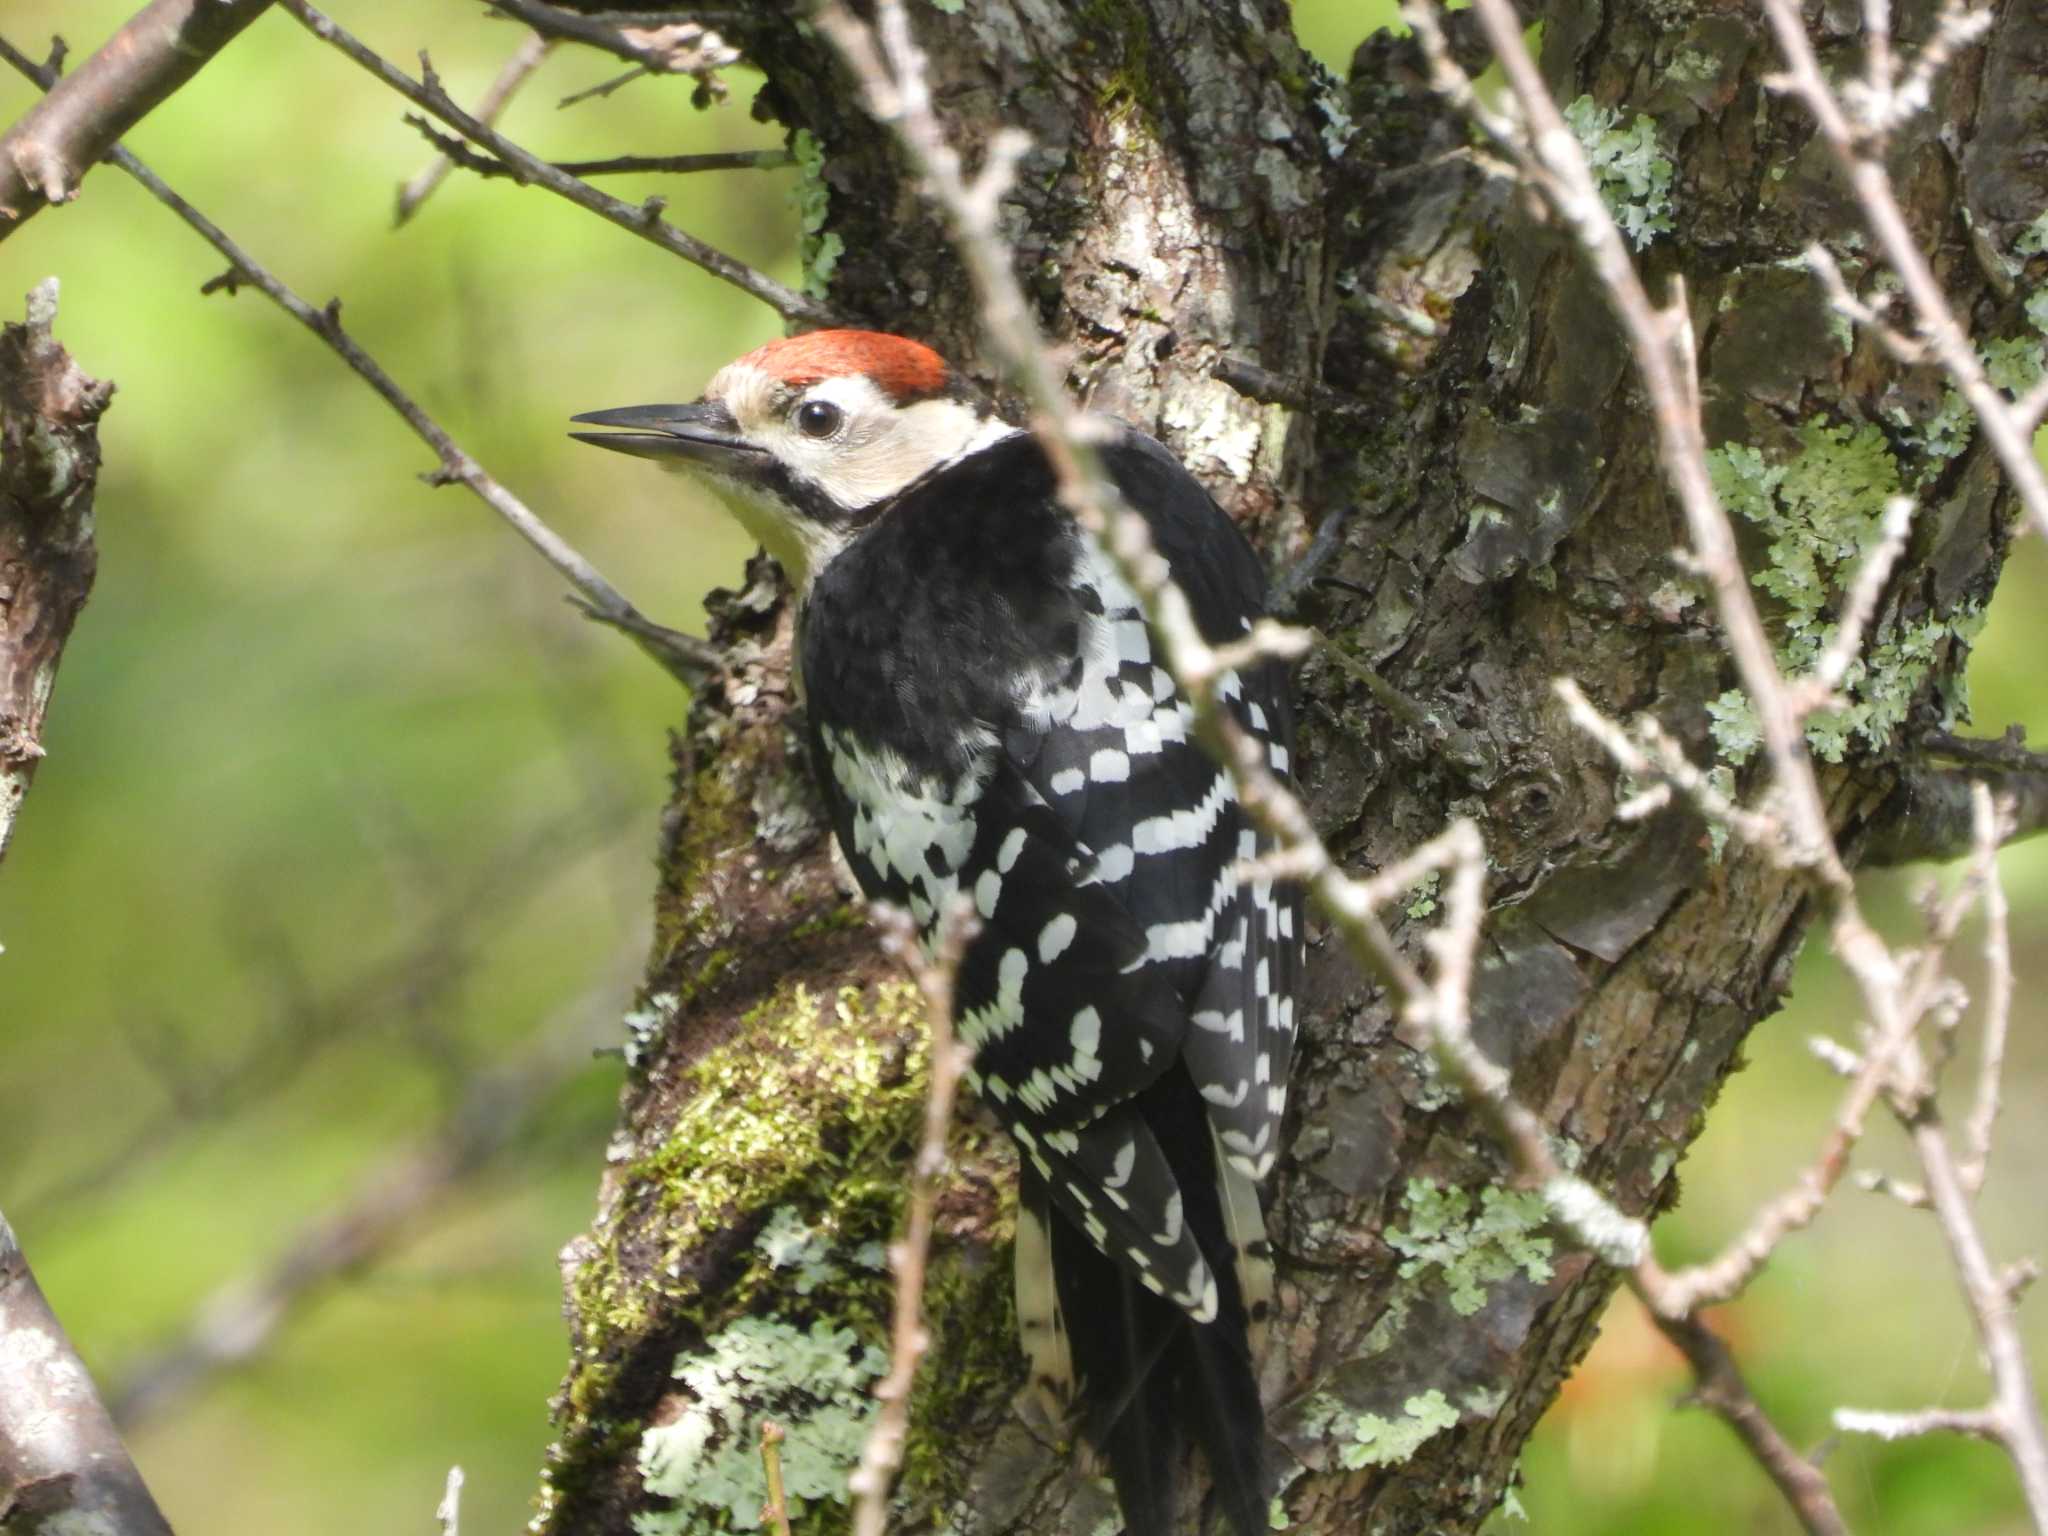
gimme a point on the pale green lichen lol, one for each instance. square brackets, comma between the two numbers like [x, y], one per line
[1372, 1440]
[787, 1242]
[949, 7]
[1633, 174]
[1473, 1244]
[1822, 509]
[2013, 363]
[1422, 896]
[1734, 726]
[814, 1381]
[2033, 240]
[817, 249]
[645, 1024]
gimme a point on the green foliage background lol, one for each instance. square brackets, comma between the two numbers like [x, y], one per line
[325, 734]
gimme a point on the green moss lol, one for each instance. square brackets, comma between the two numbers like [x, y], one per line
[1633, 174]
[1422, 896]
[1124, 31]
[1472, 1244]
[818, 249]
[796, 1131]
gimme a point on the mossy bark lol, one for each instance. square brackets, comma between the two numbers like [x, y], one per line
[1451, 403]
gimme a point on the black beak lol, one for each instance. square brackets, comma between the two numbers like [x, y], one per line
[702, 434]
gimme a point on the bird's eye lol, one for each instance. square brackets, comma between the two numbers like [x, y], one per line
[818, 418]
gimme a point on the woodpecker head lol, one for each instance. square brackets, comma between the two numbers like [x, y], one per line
[807, 438]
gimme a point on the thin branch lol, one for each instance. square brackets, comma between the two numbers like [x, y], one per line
[644, 220]
[1720, 1388]
[935, 973]
[456, 151]
[532, 49]
[776, 1511]
[669, 46]
[1993, 829]
[690, 660]
[1975, 1422]
[449, 1511]
[62, 1463]
[45, 155]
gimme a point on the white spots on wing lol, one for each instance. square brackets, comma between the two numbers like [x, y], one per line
[1010, 977]
[1003, 1013]
[1068, 781]
[1169, 1231]
[987, 891]
[1278, 756]
[902, 818]
[1142, 739]
[1066, 1143]
[1227, 1098]
[1109, 766]
[1013, 845]
[1055, 936]
[1120, 1169]
[1173, 941]
[1258, 718]
[1085, 1035]
[1133, 641]
[1114, 863]
[1188, 828]
[1217, 1022]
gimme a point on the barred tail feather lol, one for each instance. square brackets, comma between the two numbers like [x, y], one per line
[1147, 1376]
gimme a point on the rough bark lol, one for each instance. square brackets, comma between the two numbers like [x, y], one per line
[1462, 418]
[49, 469]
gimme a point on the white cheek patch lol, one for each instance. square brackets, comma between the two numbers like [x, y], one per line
[881, 449]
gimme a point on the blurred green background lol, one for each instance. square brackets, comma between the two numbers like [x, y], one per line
[343, 805]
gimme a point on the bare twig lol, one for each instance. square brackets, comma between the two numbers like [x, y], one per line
[644, 221]
[1998, 1001]
[1718, 1386]
[449, 1511]
[457, 152]
[524, 61]
[669, 46]
[691, 660]
[45, 155]
[776, 1511]
[62, 1463]
[935, 972]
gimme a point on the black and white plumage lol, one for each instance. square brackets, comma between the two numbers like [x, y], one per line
[989, 716]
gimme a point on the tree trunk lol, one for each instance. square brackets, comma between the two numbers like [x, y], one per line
[1445, 397]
